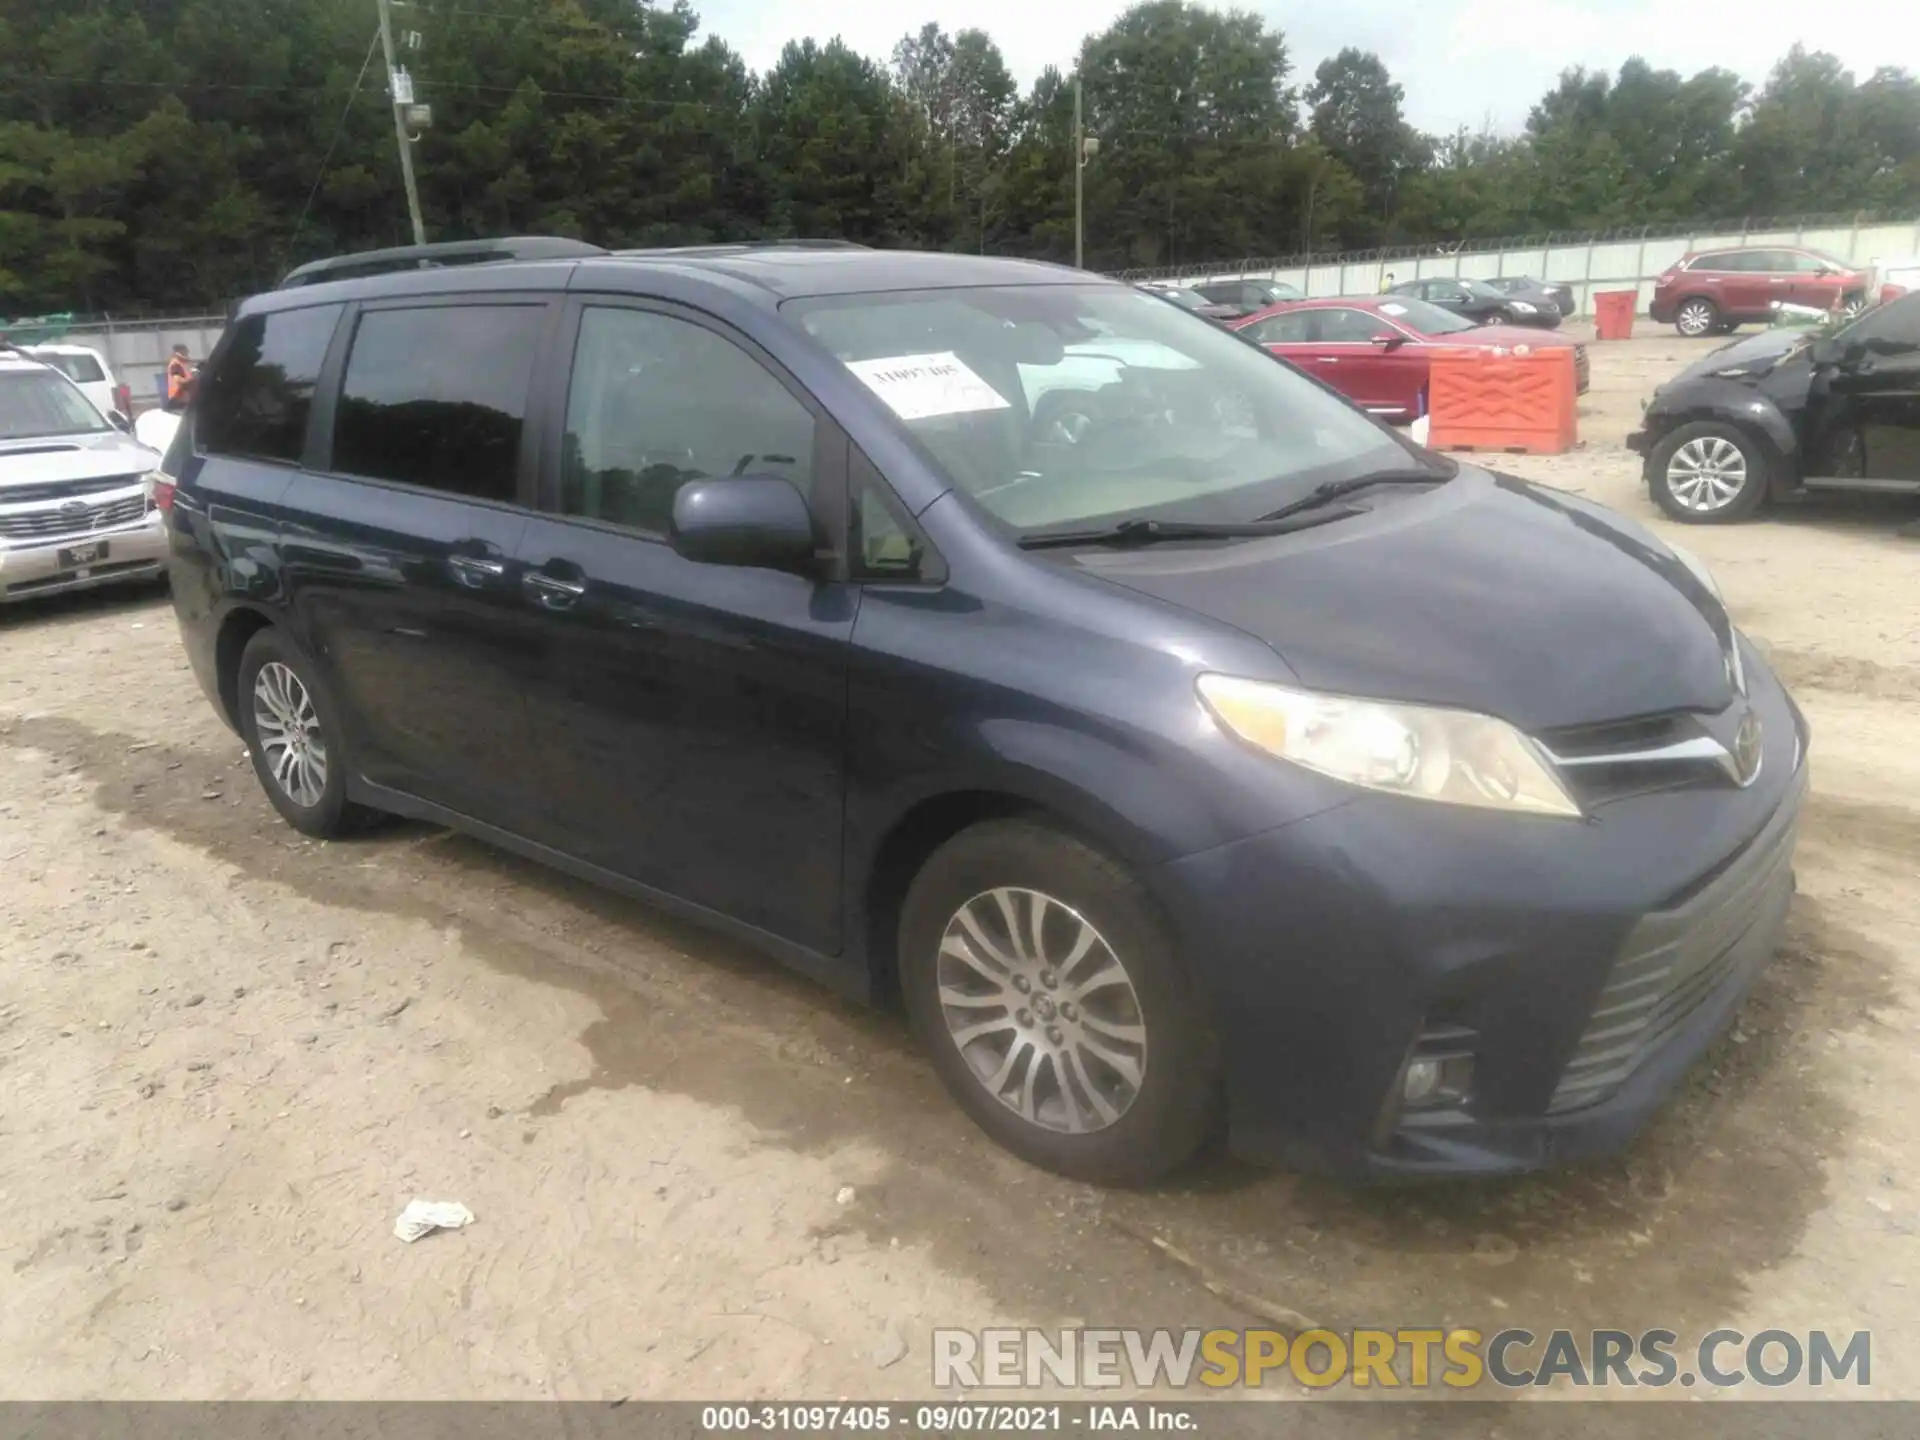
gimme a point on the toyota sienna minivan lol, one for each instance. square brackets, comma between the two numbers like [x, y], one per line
[1183, 748]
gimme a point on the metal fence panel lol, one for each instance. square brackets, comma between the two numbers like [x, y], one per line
[1623, 259]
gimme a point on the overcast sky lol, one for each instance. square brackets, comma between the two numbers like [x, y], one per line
[1462, 62]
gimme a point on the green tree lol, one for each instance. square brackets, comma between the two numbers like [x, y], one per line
[1355, 115]
[831, 155]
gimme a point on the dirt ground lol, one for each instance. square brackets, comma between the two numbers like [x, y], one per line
[229, 1056]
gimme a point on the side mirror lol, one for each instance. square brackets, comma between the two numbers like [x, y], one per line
[1389, 342]
[120, 420]
[760, 521]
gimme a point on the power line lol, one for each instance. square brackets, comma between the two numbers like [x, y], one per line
[353, 93]
[425, 86]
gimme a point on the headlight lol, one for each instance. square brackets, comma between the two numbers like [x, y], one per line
[1422, 752]
[1523, 307]
[1698, 568]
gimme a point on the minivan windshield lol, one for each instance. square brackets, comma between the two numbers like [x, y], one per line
[39, 402]
[1063, 405]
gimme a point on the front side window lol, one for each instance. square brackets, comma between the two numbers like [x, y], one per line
[256, 400]
[43, 402]
[1890, 329]
[657, 402]
[1062, 405]
[1350, 327]
[1290, 327]
[438, 397]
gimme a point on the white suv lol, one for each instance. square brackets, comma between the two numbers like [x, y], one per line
[74, 507]
[88, 369]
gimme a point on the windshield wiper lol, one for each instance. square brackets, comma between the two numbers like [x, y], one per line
[1142, 531]
[1334, 489]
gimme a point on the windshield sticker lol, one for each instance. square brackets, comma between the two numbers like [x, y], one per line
[1393, 309]
[919, 387]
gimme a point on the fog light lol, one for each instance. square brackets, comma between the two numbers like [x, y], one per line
[1422, 1080]
[1436, 1081]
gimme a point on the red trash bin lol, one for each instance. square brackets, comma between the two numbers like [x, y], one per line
[1613, 313]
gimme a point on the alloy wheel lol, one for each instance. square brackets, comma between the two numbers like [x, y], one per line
[1042, 1010]
[1853, 307]
[1695, 318]
[1706, 474]
[288, 728]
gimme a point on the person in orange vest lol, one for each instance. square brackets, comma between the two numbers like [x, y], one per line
[179, 378]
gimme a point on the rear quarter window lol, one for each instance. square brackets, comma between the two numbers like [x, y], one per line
[81, 369]
[256, 401]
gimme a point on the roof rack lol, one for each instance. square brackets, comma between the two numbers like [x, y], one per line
[737, 247]
[428, 257]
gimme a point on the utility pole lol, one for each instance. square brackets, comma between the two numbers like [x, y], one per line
[400, 105]
[1085, 147]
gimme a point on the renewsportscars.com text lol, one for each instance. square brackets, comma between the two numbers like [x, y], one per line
[1410, 1358]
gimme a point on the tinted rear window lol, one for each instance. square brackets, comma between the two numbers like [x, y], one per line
[256, 401]
[83, 369]
[438, 397]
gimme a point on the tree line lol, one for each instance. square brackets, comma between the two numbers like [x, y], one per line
[162, 154]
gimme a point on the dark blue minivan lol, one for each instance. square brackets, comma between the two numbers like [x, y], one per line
[1184, 748]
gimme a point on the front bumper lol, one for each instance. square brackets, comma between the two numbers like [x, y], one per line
[1330, 948]
[130, 550]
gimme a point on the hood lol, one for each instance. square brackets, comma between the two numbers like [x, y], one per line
[1487, 593]
[1507, 335]
[50, 459]
[1752, 354]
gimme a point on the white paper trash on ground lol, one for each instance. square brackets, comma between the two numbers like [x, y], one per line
[423, 1217]
[1417, 431]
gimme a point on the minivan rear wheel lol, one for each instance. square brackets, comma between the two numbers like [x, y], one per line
[292, 729]
[1696, 317]
[1048, 994]
[1708, 473]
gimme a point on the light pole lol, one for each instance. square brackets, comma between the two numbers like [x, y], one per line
[1085, 147]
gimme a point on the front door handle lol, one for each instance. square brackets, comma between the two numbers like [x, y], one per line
[552, 591]
[474, 571]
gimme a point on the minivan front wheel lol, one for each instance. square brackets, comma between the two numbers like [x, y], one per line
[1048, 995]
[1708, 473]
[292, 731]
[1696, 317]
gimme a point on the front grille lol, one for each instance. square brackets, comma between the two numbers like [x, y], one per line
[1673, 961]
[64, 489]
[53, 523]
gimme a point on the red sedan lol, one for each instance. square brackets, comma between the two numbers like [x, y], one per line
[1374, 348]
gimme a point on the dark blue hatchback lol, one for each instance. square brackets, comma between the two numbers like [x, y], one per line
[1182, 746]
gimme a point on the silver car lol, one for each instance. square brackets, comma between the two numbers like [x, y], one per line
[74, 505]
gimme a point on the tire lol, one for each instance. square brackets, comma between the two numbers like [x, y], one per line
[1852, 305]
[1696, 316]
[292, 700]
[1713, 454]
[1060, 1103]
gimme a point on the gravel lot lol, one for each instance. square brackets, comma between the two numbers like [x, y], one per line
[228, 1056]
